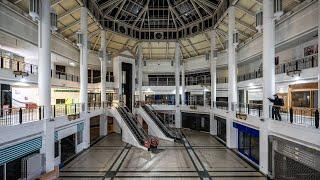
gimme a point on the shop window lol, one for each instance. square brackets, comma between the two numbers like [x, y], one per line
[56, 149]
[60, 101]
[301, 99]
[60, 69]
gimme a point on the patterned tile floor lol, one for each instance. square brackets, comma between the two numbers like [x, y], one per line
[201, 156]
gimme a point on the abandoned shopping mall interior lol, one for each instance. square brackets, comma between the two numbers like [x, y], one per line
[159, 89]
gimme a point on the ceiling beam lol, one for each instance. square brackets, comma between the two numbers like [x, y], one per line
[95, 44]
[175, 13]
[204, 7]
[150, 50]
[192, 46]
[55, 2]
[141, 13]
[209, 4]
[248, 12]
[167, 48]
[248, 26]
[184, 48]
[196, 8]
[69, 26]
[219, 40]
[70, 11]
[119, 10]
[111, 8]
[107, 4]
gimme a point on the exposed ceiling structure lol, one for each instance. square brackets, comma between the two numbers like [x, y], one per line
[157, 24]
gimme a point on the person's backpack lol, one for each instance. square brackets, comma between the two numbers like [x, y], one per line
[281, 102]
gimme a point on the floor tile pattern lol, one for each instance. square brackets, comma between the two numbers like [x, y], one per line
[198, 156]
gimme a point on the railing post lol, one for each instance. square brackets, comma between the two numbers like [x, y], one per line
[54, 111]
[18, 66]
[248, 108]
[20, 116]
[31, 69]
[291, 115]
[259, 109]
[1, 65]
[75, 109]
[40, 112]
[316, 119]
[65, 109]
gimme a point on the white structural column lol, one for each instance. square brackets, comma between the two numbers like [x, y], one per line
[44, 83]
[232, 135]
[84, 74]
[140, 72]
[268, 79]
[177, 82]
[232, 65]
[103, 59]
[103, 49]
[318, 54]
[213, 73]
[183, 84]
[213, 68]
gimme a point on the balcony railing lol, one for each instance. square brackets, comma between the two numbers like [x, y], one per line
[18, 66]
[160, 102]
[221, 80]
[248, 108]
[308, 117]
[59, 110]
[64, 76]
[221, 105]
[94, 106]
[298, 64]
[15, 116]
[293, 65]
[198, 80]
[248, 76]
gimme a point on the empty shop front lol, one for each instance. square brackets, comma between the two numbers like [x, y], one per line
[199, 122]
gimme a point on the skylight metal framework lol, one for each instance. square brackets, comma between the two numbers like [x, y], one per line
[157, 24]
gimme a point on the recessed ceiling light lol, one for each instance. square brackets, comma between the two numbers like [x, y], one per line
[72, 64]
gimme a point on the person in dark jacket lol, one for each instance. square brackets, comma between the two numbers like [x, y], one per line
[277, 103]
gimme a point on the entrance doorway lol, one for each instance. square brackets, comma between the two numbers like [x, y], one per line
[68, 148]
[127, 84]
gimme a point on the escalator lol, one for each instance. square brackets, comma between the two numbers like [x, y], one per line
[157, 119]
[138, 132]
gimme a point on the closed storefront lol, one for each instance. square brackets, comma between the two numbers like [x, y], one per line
[221, 127]
[248, 142]
[289, 160]
[199, 122]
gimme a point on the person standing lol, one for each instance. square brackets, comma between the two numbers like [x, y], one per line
[277, 103]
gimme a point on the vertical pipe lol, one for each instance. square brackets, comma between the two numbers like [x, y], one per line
[84, 74]
[268, 78]
[103, 67]
[140, 72]
[183, 84]
[177, 82]
[318, 54]
[232, 81]
[213, 68]
[44, 83]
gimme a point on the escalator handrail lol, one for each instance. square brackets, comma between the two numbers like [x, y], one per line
[168, 132]
[137, 124]
[134, 130]
[177, 135]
